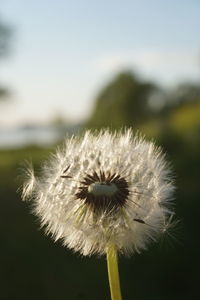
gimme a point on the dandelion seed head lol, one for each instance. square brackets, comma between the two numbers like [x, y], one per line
[102, 189]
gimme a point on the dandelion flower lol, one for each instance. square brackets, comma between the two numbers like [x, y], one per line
[101, 191]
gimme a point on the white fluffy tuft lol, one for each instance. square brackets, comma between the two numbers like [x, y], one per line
[131, 227]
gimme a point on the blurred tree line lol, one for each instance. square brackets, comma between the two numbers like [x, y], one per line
[128, 101]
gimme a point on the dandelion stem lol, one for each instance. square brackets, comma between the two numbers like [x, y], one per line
[113, 273]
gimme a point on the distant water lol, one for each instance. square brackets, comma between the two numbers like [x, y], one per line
[19, 137]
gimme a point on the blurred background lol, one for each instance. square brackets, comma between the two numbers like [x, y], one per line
[70, 65]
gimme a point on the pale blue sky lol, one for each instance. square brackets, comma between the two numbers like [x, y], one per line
[64, 51]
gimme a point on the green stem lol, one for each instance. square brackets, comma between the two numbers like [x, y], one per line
[113, 273]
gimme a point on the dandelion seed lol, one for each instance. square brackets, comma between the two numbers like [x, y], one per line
[103, 192]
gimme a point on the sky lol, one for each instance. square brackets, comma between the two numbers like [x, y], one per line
[64, 52]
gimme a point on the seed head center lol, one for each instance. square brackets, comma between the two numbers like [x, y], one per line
[102, 189]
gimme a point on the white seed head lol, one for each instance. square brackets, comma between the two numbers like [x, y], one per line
[103, 189]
